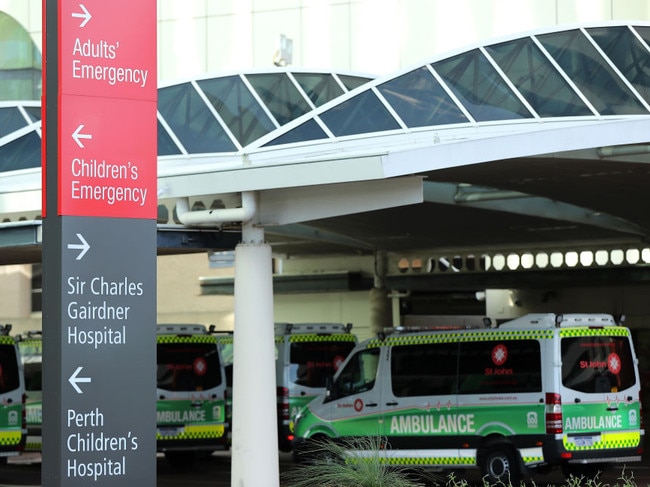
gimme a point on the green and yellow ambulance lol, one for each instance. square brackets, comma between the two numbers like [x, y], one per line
[13, 429]
[191, 393]
[31, 354]
[306, 355]
[537, 392]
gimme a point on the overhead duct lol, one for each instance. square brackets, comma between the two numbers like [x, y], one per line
[217, 217]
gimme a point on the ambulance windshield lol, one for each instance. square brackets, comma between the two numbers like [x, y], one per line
[188, 366]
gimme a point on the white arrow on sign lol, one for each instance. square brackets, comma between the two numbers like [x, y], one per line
[86, 15]
[83, 246]
[74, 380]
[77, 135]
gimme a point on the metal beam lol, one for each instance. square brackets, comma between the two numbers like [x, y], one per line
[500, 200]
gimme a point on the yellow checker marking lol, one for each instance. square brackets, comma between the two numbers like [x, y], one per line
[578, 332]
[196, 432]
[317, 338]
[435, 460]
[461, 337]
[6, 340]
[33, 446]
[186, 339]
[428, 461]
[607, 440]
[10, 438]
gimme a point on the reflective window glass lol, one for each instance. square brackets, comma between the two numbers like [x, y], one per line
[597, 364]
[311, 363]
[34, 113]
[20, 62]
[509, 366]
[192, 122]
[480, 88]
[362, 114]
[627, 53]
[537, 79]
[320, 88]
[166, 145]
[644, 32]
[9, 368]
[188, 366]
[352, 82]
[420, 100]
[424, 370]
[240, 111]
[358, 376]
[590, 72]
[280, 95]
[22, 153]
[10, 120]
[310, 130]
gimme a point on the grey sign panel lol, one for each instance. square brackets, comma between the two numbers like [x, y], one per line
[107, 341]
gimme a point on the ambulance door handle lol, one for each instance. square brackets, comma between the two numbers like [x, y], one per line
[197, 404]
[612, 408]
[372, 405]
[394, 403]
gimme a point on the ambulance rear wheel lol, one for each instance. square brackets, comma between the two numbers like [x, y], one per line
[499, 465]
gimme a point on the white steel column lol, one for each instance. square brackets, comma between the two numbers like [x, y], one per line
[255, 436]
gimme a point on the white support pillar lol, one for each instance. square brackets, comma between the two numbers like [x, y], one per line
[255, 459]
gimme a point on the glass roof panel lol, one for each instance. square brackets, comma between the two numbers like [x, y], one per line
[320, 88]
[238, 108]
[590, 72]
[537, 80]
[644, 32]
[420, 101]
[22, 153]
[34, 113]
[480, 88]
[194, 125]
[280, 95]
[627, 53]
[10, 120]
[310, 130]
[352, 82]
[166, 146]
[361, 114]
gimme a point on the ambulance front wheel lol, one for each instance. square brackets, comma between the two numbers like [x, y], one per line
[499, 464]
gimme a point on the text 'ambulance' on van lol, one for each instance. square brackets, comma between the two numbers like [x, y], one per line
[537, 392]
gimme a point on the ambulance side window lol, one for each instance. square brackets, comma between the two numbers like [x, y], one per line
[424, 370]
[507, 366]
[358, 376]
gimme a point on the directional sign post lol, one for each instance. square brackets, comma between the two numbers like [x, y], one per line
[99, 243]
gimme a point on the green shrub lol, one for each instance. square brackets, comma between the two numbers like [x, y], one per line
[332, 465]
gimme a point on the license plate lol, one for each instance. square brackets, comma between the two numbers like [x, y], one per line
[170, 431]
[583, 440]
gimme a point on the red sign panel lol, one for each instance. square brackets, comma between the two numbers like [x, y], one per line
[107, 162]
[107, 109]
[108, 49]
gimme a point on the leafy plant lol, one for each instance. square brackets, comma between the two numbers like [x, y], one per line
[341, 464]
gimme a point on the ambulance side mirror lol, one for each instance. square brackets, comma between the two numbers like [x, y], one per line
[331, 390]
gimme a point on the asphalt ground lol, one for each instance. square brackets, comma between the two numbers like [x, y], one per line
[214, 471]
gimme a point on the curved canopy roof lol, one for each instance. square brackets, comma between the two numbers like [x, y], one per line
[597, 71]
[523, 141]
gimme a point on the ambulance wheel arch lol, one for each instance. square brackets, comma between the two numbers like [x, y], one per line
[500, 462]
